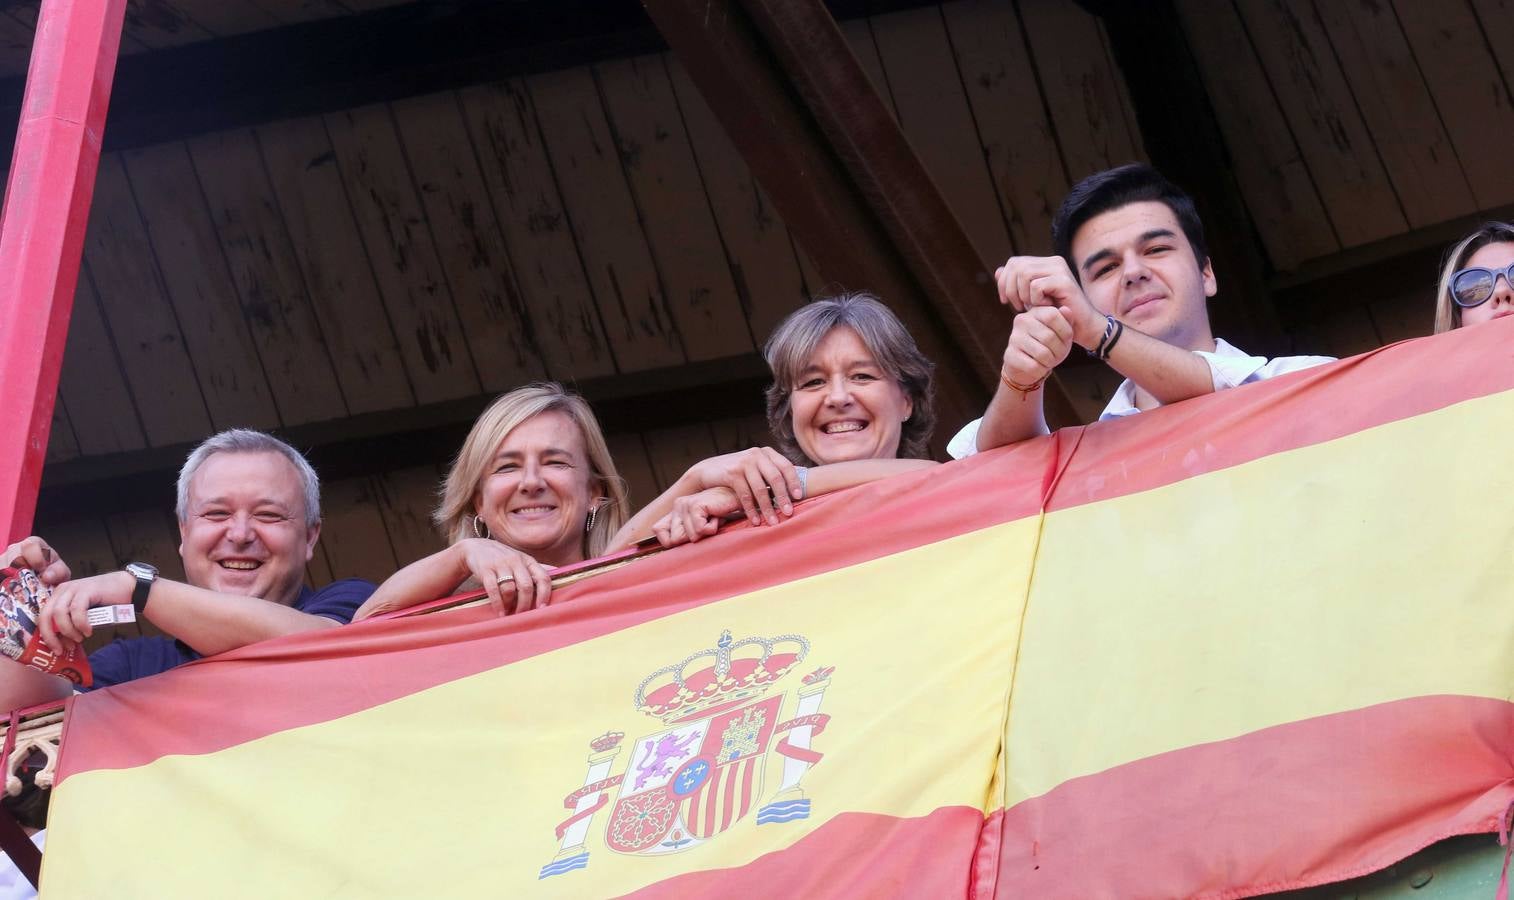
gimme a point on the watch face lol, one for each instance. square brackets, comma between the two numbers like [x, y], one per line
[142, 570]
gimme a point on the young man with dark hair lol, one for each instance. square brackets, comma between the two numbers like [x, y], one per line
[1131, 286]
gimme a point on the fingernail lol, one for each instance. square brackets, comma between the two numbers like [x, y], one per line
[798, 494]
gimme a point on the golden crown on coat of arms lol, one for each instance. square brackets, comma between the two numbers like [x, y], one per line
[735, 671]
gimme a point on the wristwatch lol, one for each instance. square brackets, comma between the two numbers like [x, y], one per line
[145, 574]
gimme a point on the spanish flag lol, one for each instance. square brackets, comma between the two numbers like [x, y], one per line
[1252, 642]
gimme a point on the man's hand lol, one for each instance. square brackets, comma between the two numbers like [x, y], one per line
[696, 516]
[764, 483]
[1027, 282]
[1041, 339]
[65, 617]
[35, 554]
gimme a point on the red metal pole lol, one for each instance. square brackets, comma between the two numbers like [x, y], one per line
[52, 179]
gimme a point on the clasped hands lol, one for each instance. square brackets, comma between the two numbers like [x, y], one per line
[1053, 313]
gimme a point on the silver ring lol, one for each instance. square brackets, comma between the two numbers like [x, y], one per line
[504, 580]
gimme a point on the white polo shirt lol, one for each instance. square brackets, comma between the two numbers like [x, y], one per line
[1228, 367]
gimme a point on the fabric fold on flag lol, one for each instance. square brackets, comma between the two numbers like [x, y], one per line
[1252, 642]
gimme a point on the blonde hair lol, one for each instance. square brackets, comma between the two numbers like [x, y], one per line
[454, 515]
[1447, 313]
[793, 342]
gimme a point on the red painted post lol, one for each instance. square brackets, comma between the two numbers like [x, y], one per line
[52, 179]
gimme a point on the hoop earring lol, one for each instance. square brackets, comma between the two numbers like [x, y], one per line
[480, 528]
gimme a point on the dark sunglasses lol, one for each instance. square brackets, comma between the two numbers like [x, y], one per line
[1473, 287]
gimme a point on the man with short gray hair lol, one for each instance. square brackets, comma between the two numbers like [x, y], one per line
[249, 517]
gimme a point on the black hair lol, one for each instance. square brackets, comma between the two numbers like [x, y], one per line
[1122, 186]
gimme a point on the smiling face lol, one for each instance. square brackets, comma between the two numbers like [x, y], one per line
[245, 528]
[844, 406]
[537, 491]
[1498, 257]
[1135, 263]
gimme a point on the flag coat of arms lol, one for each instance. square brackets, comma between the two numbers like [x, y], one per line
[1252, 642]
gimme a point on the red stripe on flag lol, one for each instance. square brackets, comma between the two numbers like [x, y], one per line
[322, 675]
[1297, 805]
[729, 800]
[691, 812]
[711, 797]
[930, 856]
[1236, 426]
[748, 776]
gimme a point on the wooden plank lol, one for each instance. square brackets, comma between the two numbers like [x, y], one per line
[1459, 59]
[674, 450]
[103, 413]
[1088, 388]
[292, 11]
[403, 255]
[1279, 190]
[1318, 105]
[613, 246]
[1396, 105]
[61, 442]
[1080, 87]
[816, 284]
[495, 320]
[200, 288]
[1407, 315]
[934, 112]
[405, 499]
[15, 47]
[85, 546]
[318, 570]
[635, 466]
[162, 23]
[150, 536]
[763, 267]
[745, 432]
[343, 293]
[673, 206]
[268, 279]
[223, 18]
[352, 531]
[525, 198]
[1346, 331]
[141, 320]
[1023, 160]
[859, 35]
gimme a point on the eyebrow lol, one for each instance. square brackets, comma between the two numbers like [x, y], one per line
[1107, 253]
[516, 454]
[858, 363]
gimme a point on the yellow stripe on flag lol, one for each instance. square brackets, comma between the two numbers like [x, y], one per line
[1298, 585]
[922, 645]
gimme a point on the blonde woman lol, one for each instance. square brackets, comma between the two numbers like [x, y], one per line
[533, 488]
[1474, 281]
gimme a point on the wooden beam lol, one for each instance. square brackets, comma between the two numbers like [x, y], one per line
[379, 442]
[348, 61]
[52, 179]
[1183, 140]
[800, 108]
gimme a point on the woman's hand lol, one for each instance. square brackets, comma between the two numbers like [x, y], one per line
[763, 483]
[696, 516]
[513, 580]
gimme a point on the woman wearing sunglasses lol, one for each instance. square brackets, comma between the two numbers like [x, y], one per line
[1475, 285]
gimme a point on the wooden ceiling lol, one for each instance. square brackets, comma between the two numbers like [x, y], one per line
[159, 24]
